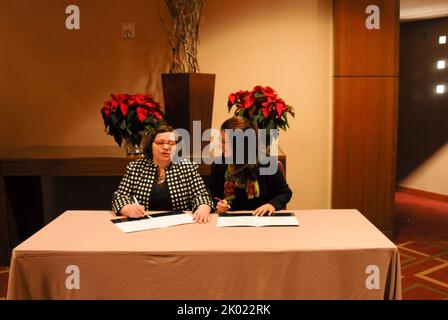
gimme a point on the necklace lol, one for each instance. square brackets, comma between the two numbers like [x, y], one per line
[161, 177]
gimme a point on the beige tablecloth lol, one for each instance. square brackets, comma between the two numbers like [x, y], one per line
[333, 254]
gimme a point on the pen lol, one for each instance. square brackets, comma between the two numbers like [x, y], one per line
[220, 200]
[136, 202]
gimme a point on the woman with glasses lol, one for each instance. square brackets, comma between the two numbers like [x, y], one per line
[156, 183]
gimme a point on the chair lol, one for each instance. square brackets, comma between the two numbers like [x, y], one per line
[281, 168]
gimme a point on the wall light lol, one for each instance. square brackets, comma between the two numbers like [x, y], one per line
[441, 64]
[440, 89]
[442, 39]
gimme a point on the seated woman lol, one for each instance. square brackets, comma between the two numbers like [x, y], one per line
[240, 186]
[156, 183]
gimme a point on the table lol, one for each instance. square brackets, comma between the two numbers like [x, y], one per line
[48, 162]
[331, 255]
[53, 161]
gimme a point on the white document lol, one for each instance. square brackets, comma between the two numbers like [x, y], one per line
[137, 225]
[149, 222]
[173, 220]
[255, 221]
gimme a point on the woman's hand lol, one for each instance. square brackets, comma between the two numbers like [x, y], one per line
[133, 210]
[202, 214]
[222, 206]
[266, 208]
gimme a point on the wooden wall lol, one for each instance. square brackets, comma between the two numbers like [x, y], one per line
[423, 114]
[365, 110]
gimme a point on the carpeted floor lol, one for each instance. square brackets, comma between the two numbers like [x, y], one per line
[422, 238]
[421, 226]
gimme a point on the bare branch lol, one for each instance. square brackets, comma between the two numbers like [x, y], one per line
[183, 33]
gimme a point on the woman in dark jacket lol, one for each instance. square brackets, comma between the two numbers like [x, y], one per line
[241, 186]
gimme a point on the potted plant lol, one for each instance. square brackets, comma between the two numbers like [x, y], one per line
[262, 106]
[188, 94]
[129, 117]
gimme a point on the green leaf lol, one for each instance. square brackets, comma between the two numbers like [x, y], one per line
[130, 115]
[114, 119]
[118, 139]
[270, 125]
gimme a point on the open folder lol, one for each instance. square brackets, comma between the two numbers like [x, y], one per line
[154, 221]
[246, 219]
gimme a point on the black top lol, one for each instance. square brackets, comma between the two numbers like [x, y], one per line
[160, 198]
[273, 190]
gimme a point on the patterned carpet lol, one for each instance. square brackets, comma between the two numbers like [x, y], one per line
[424, 270]
[422, 239]
[421, 226]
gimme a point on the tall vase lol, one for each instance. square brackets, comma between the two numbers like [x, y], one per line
[189, 97]
[134, 150]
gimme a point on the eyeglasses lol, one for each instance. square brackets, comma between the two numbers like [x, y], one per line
[162, 143]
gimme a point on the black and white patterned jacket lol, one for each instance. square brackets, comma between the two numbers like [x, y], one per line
[187, 189]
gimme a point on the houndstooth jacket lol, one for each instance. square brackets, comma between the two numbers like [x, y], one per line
[187, 189]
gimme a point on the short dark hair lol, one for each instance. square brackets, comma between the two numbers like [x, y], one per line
[147, 150]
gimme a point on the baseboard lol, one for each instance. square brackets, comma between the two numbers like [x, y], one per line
[424, 194]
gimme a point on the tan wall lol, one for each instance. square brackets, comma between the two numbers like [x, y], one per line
[287, 45]
[55, 80]
[431, 176]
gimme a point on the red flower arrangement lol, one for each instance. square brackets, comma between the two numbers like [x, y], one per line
[262, 106]
[126, 117]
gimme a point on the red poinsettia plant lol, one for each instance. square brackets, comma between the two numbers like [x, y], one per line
[127, 117]
[262, 106]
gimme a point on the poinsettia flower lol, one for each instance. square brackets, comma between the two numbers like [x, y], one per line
[262, 104]
[280, 107]
[158, 115]
[119, 97]
[123, 108]
[265, 112]
[249, 100]
[142, 113]
[113, 106]
[106, 111]
[140, 99]
[232, 98]
[269, 92]
[146, 114]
